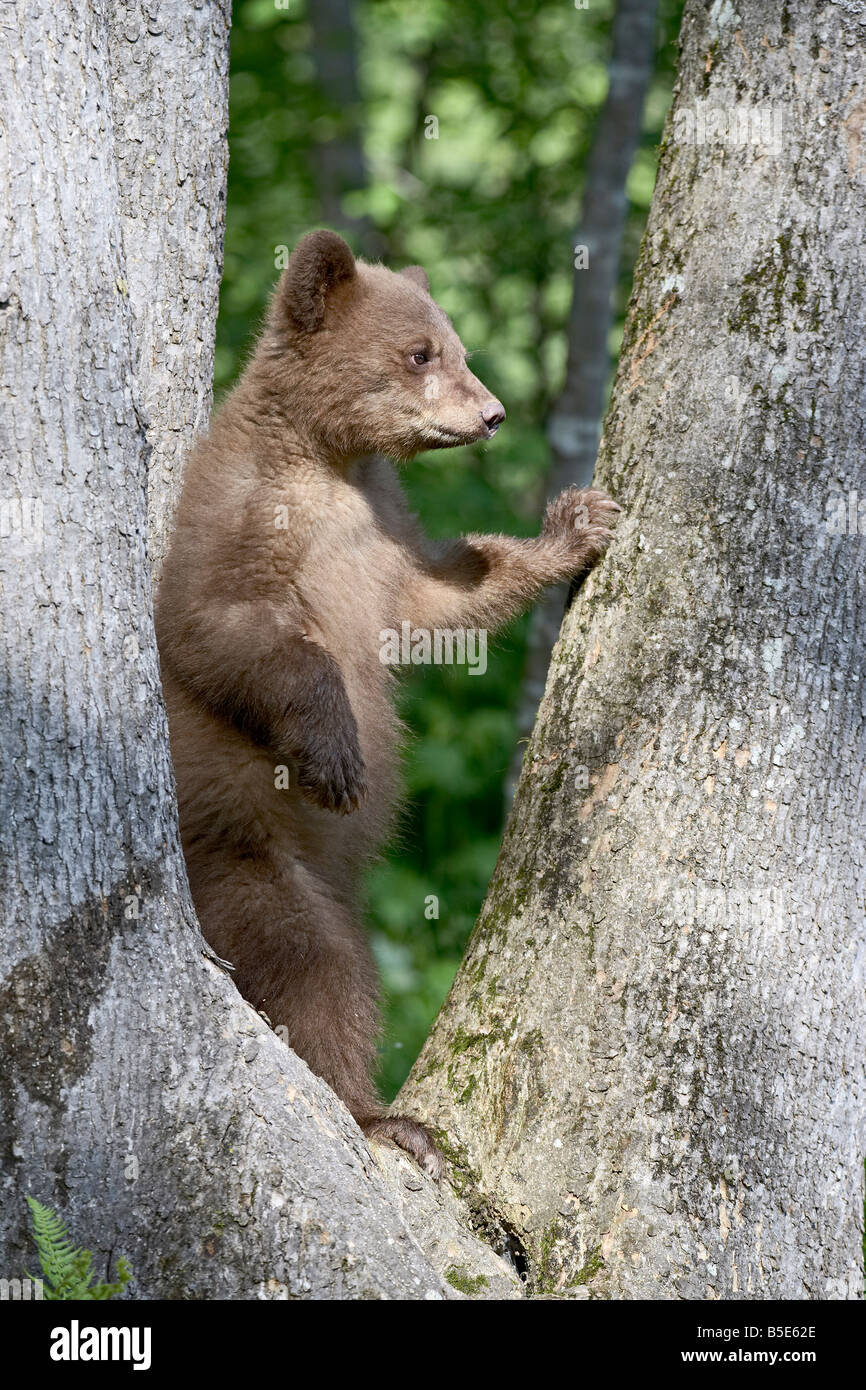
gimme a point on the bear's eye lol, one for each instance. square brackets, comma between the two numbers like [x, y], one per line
[419, 358]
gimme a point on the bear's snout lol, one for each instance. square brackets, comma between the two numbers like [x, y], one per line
[492, 416]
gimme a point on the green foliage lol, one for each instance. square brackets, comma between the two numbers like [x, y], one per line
[67, 1272]
[490, 208]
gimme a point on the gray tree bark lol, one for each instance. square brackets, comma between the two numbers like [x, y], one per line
[139, 1095]
[168, 72]
[650, 1070]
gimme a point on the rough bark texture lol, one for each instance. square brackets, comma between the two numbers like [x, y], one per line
[168, 66]
[139, 1095]
[650, 1070]
[575, 421]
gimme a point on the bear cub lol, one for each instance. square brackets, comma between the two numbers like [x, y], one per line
[294, 550]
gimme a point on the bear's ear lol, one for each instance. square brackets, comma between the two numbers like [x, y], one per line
[418, 275]
[320, 261]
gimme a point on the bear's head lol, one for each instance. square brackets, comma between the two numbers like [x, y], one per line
[370, 362]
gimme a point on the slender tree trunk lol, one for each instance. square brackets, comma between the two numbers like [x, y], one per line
[575, 421]
[139, 1095]
[340, 167]
[650, 1070]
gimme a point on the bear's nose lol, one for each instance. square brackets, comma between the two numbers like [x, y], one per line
[493, 414]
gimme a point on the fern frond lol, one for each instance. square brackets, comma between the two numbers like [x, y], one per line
[68, 1272]
[124, 1274]
[55, 1249]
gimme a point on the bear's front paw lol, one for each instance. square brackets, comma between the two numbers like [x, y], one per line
[336, 780]
[583, 519]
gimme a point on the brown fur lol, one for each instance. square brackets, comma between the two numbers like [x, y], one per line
[270, 635]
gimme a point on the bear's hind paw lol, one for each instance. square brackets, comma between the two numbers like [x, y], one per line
[410, 1136]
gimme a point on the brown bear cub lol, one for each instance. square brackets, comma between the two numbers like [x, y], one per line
[294, 551]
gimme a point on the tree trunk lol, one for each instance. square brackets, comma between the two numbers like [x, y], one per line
[574, 423]
[339, 164]
[650, 1070]
[168, 69]
[139, 1095]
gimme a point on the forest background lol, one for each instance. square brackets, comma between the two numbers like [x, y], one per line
[454, 134]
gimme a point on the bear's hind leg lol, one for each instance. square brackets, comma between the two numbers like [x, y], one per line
[300, 957]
